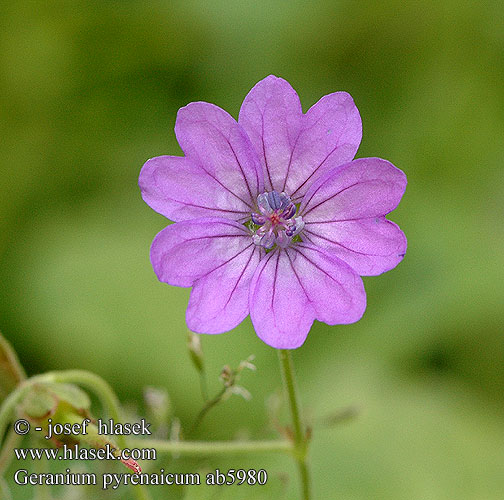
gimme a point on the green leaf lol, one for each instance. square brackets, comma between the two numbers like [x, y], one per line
[72, 394]
[39, 402]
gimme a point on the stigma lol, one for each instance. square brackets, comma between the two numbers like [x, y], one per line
[275, 216]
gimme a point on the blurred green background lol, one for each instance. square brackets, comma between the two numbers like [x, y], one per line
[90, 90]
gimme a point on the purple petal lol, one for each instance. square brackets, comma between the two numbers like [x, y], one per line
[189, 250]
[271, 115]
[367, 187]
[344, 212]
[291, 288]
[331, 135]
[370, 246]
[216, 257]
[219, 300]
[295, 149]
[212, 139]
[181, 190]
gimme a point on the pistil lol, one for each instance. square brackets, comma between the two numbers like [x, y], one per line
[276, 219]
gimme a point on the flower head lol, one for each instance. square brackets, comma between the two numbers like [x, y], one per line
[274, 217]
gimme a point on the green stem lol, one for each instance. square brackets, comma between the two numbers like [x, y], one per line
[6, 453]
[195, 448]
[203, 386]
[41, 491]
[13, 364]
[300, 438]
[141, 492]
[206, 408]
[9, 404]
[4, 490]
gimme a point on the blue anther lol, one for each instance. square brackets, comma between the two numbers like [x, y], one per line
[258, 219]
[289, 211]
[274, 200]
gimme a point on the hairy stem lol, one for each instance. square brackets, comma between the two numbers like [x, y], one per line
[9, 405]
[195, 448]
[5, 493]
[206, 408]
[6, 453]
[300, 438]
[41, 491]
[203, 386]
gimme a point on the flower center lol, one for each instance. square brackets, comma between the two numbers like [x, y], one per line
[276, 219]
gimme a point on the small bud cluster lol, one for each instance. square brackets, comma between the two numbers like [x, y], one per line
[230, 377]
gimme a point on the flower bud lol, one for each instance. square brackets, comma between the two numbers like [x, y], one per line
[227, 375]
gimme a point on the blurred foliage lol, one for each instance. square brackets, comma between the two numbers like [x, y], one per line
[90, 90]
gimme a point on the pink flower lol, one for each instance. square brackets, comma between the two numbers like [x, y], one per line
[274, 217]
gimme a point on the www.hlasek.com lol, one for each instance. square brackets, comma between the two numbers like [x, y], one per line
[75, 452]
[23, 477]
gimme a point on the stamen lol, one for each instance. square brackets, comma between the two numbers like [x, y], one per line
[289, 211]
[258, 219]
[276, 218]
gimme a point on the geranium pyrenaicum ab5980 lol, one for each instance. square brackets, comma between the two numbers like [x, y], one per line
[274, 217]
